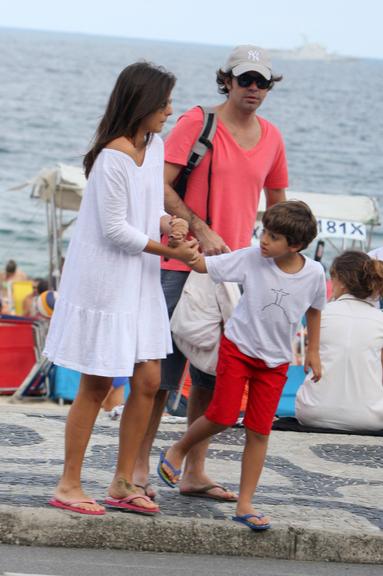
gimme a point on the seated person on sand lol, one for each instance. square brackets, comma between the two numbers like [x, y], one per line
[349, 396]
[12, 273]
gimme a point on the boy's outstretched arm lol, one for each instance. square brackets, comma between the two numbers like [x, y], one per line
[313, 335]
[199, 265]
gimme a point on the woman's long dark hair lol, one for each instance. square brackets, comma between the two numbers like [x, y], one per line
[140, 90]
[360, 274]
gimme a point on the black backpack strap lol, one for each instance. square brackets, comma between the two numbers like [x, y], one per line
[199, 149]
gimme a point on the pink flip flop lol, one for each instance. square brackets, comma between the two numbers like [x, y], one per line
[73, 506]
[128, 505]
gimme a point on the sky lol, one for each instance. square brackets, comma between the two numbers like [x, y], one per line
[346, 27]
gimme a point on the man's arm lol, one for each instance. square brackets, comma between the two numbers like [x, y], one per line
[313, 335]
[210, 243]
[274, 195]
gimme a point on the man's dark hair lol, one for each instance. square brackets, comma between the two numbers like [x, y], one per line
[222, 78]
[294, 220]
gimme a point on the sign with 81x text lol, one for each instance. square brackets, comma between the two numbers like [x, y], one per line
[341, 229]
[331, 229]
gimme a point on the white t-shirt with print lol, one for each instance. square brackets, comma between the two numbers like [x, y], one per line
[273, 302]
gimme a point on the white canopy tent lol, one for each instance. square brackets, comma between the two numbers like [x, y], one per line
[350, 208]
[61, 188]
[345, 221]
[344, 217]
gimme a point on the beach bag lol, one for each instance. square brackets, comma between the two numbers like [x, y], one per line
[200, 315]
[200, 147]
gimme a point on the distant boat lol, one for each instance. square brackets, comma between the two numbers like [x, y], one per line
[308, 51]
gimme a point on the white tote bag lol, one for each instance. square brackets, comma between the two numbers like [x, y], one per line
[199, 317]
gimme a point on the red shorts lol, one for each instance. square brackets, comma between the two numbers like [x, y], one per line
[234, 369]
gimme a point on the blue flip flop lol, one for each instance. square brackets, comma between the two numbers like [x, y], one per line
[245, 520]
[162, 473]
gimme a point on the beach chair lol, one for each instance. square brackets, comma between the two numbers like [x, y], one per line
[295, 377]
[23, 371]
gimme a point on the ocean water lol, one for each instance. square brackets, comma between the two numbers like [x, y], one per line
[54, 87]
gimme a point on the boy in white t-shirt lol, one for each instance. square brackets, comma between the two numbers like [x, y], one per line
[280, 285]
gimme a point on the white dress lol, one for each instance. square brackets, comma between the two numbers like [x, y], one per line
[349, 396]
[111, 311]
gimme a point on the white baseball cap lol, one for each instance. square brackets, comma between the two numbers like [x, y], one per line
[248, 58]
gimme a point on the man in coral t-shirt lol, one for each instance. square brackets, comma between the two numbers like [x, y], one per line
[248, 156]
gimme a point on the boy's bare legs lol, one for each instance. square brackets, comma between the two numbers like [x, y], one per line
[194, 476]
[253, 459]
[134, 422]
[79, 425]
[198, 433]
[141, 470]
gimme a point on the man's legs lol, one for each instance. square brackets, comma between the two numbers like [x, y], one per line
[194, 476]
[171, 372]
[197, 433]
[79, 426]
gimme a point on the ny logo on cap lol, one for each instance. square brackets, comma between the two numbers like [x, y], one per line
[253, 55]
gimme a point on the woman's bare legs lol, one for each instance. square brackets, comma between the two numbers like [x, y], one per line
[134, 422]
[79, 425]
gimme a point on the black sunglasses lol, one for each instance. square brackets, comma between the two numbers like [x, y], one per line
[245, 80]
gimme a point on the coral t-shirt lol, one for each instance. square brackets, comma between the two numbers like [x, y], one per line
[237, 177]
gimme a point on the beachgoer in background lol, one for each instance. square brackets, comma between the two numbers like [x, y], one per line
[377, 254]
[13, 273]
[40, 285]
[349, 395]
[110, 319]
[279, 286]
[248, 155]
[10, 274]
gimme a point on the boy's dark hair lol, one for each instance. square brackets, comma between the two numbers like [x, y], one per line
[222, 77]
[294, 220]
[360, 274]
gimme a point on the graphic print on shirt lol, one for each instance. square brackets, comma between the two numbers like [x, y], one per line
[275, 310]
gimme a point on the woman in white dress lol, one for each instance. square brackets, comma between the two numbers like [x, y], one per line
[110, 318]
[349, 396]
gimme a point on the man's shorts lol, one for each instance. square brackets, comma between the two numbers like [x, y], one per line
[173, 367]
[234, 369]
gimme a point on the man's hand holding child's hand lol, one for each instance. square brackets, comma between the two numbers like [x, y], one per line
[179, 229]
